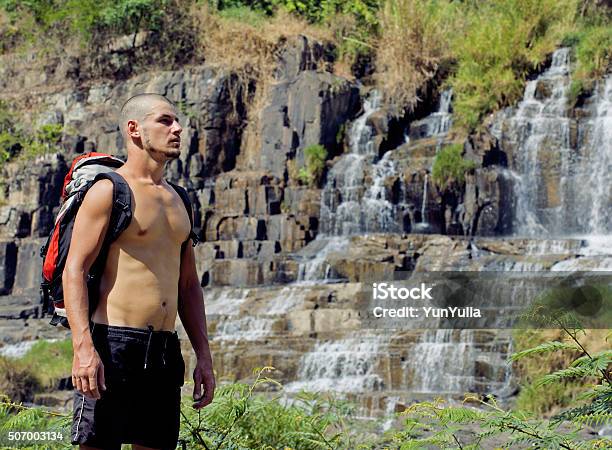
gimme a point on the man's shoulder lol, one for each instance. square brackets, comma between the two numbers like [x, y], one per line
[99, 196]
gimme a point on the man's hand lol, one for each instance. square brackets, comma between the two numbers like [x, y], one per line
[88, 373]
[203, 375]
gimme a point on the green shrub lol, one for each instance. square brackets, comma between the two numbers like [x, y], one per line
[304, 176]
[449, 167]
[538, 400]
[250, 16]
[39, 369]
[11, 134]
[315, 11]
[15, 141]
[576, 88]
[239, 418]
[84, 18]
[353, 22]
[412, 46]
[18, 418]
[315, 156]
[44, 140]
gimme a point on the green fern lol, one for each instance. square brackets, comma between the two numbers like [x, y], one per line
[560, 375]
[546, 347]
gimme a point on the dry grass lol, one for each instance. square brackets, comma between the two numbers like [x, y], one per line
[411, 48]
[248, 50]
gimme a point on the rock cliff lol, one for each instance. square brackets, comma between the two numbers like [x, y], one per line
[282, 264]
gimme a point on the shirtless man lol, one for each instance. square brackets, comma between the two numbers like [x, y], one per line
[127, 368]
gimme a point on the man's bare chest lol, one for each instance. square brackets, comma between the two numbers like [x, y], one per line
[158, 217]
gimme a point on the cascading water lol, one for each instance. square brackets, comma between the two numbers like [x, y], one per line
[446, 361]
[347, 206]
[439, 122]
[429, 365]
[349, 365]
[346, 365]
[424, 202]
[599, 168]
[231, 325]
[561, 165]
[317, 269]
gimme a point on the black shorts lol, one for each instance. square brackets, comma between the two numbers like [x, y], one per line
[144, 372]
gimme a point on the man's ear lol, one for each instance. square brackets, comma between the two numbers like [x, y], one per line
[133, 128]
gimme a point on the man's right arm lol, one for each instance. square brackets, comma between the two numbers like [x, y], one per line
[88, 234]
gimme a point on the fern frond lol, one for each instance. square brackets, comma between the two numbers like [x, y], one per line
[461, 415]
[546, 347]
[597, 363]
[594, 419]
[601, 404]
[603, 390]
[560, 375]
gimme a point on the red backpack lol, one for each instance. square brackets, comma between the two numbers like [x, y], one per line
[84, 172]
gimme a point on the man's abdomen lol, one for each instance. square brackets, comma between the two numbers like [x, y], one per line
[139, 293]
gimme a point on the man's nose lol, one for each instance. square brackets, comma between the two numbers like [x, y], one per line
[178, 129]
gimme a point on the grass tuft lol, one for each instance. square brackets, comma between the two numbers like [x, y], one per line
[449, 167]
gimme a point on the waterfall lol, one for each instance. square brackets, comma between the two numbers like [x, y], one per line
[441, 120]
[317, 269]
[424, 202]
[430, 360]
[454, 362]
[232, 325]
[347, 206]
[561, 165]
[598, 219]
[346, 365]
[390, 405]
[248, 328]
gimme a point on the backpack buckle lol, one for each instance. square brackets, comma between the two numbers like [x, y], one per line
[121, 205]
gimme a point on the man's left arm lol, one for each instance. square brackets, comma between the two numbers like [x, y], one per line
[193, 316]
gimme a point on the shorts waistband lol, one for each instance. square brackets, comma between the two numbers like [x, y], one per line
[143, 334]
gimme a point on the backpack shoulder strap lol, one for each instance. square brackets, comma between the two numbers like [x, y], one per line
[187, 202]
[121, 215]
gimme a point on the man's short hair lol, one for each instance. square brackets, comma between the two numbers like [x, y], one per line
[138, 106]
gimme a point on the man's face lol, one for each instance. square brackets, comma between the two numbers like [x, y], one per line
[161, 131]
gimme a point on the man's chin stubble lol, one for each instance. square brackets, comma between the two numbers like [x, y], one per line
[173, 154]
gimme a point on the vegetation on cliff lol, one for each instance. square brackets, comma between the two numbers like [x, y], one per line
[17, 139]
[485, 50]
[315, 156]
[408, 49]
[449, 168]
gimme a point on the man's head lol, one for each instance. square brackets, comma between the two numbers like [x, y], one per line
[150, 122]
